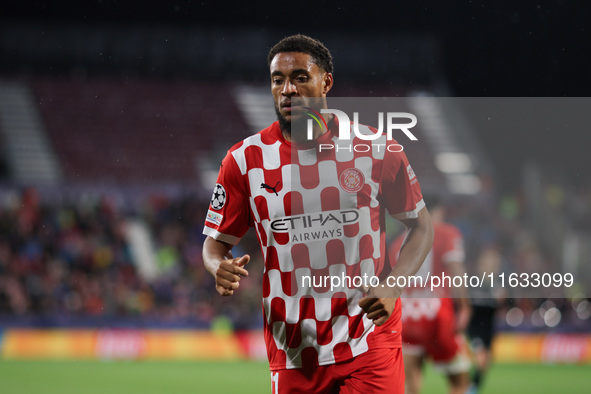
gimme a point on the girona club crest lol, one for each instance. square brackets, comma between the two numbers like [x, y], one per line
[351, 180]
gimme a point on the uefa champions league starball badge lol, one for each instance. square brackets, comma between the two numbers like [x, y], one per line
[218, 199]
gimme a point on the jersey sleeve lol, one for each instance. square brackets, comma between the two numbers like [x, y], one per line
[400, 189]
[228, 216]
[452, 246]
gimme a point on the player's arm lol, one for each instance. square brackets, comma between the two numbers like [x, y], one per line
[416, 245]
[219, 262]
[453, 258]
[380, 301]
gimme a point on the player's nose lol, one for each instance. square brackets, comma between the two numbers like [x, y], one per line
[289, 89]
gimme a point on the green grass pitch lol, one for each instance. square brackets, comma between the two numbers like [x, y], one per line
[244, 377]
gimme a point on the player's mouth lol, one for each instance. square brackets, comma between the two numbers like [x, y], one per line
[292, 109]
[288, 106]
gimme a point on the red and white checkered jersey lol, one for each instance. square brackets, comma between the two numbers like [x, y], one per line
[318, 213]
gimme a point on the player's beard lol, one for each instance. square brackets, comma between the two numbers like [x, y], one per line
[297, 123]
[284, 124]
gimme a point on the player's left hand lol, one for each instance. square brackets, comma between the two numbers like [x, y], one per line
[378, 304]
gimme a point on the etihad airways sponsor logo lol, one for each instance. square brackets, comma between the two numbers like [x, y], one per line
[316, 226]
[315, 220]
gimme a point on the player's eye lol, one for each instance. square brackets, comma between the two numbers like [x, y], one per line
[277, 81]
[302, 79]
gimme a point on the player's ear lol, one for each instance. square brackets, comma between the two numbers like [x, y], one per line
[327, 82]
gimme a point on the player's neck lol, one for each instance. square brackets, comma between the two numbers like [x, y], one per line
[317, 131]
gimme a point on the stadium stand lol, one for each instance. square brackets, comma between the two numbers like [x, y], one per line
[65, 259]
[71, 265]
[126, 131]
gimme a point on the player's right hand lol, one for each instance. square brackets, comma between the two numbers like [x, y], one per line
[379, 303]
[228, 274]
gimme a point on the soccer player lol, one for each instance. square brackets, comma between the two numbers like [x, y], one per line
[316, 214]
[432, 326]
[485, 301]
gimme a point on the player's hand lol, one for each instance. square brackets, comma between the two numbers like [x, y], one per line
[378, 304]
[228, 274]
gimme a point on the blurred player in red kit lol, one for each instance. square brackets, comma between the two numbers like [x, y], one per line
[318, 341]
[432, 323]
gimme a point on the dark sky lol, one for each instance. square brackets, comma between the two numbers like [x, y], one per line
[490, 48]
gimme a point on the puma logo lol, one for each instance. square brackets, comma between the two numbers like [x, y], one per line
[271, 188]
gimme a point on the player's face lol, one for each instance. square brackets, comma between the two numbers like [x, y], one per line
[294, 74]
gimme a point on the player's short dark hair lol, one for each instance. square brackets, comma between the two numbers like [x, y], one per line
[301, 43]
